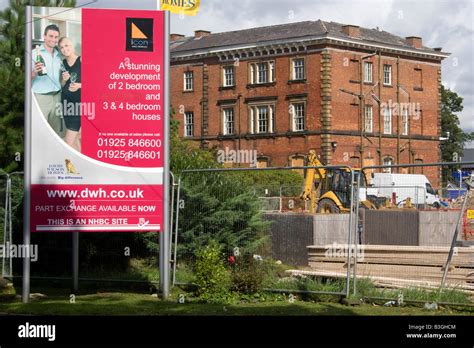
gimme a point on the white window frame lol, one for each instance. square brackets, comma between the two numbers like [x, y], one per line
[263, 72]
[257, 70]
[228, 76]
[228, 121]
[368, 71]
[368, 119]
[298, 113]
[387, 75]
[387, 120]
[387, 161]
[299, 72]
[405, 121]
[189, 126]
[188, 81]
[255, 125]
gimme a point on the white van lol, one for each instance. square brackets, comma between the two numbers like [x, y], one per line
[417, 187]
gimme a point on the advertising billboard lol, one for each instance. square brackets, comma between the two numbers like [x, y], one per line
[97, 120]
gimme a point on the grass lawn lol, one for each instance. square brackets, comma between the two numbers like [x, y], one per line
[123, 303]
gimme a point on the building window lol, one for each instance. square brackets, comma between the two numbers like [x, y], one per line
[405, 121]
[262, 72]
[367, 72]
[387, 161]
[387, 74]
[387, 120]
[228, 76]
[188, 81]
[228, 118]
[418, 79]
[354, 70]
[298, 116]
[298, 69]
[262, 119]
[188, 124]
[298, 161]
[418, 170]
[368, 119]
[262, 162]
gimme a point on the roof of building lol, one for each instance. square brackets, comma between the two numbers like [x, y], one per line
[299, 30]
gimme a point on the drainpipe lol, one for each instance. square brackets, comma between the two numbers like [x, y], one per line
[240, 134]
[380, 108]
[398, 113]
[410, 161]
[361, 117]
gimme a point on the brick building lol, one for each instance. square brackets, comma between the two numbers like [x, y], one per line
[357, 96]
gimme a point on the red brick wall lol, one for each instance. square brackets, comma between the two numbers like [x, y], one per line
[345, 117]
[186, 101]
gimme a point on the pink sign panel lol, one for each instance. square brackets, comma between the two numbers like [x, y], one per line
[101, 169]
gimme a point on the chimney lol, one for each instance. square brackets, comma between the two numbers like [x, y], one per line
[351, 30]
[201, 33]
[174, 37]
[414, 41]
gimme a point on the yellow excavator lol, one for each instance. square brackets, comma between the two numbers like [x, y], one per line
[334, 188]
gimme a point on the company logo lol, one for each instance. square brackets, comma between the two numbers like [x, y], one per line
[139, 34]
[70, 167]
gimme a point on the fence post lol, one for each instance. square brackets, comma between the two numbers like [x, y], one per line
[455, 237]
[176, 231]
[173, 184]
[349, 251]
[281, 199]
[6, 221]
[357, 203]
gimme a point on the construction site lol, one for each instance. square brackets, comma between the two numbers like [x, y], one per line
[399, 232]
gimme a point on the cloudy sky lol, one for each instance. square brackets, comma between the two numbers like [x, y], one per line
[441, 23]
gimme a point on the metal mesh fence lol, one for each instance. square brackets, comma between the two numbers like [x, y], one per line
[251, 219]
[402, 245]
[251, 214]
[420, 247]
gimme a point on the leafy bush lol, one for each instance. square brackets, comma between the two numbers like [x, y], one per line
[248, 275]
[212, 278]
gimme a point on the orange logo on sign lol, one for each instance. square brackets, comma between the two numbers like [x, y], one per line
[137, 33]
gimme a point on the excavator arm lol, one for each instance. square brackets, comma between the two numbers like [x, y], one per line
[311, 174]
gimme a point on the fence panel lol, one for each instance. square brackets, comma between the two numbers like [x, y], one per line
[411, 249]
[222, 205]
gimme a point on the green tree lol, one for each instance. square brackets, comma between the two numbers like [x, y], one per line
[12, 48]
[452, 148]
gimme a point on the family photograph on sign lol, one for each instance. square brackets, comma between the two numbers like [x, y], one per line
[56, 78]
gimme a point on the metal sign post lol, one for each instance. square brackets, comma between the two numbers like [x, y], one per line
[26, 211]
[165, 232]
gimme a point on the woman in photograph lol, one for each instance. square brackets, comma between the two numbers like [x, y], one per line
[71, 93]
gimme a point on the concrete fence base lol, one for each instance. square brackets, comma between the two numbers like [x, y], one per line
[291, 233]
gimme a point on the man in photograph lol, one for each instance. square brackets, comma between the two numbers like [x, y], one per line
[46, 75]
